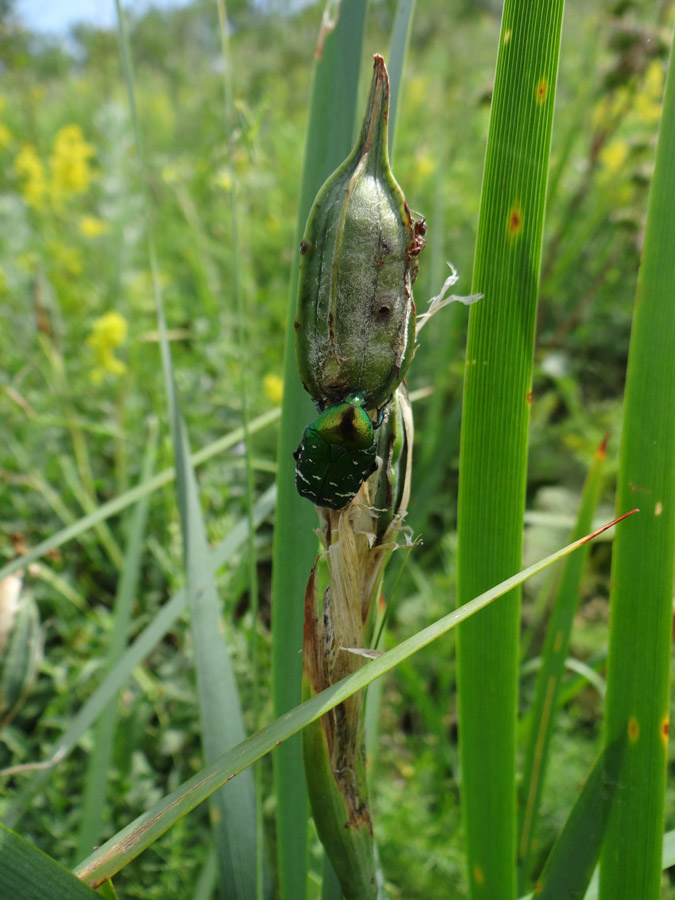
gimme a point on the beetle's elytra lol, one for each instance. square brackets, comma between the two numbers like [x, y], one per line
[336, 455]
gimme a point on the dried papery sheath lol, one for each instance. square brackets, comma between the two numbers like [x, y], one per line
[394, 448]
[355, 319]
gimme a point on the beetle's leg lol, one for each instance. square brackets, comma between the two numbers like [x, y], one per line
[381, 412]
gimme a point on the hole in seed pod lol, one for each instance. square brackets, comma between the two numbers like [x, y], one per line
[384, 312]
[304, 246]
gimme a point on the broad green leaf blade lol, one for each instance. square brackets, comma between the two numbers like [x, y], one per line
[112, 507]
[641, 600]
[542, 715]
[27, 873]
[569, 868]
[98, 766]
[493, 455]
[329, 139]
[146, 641]
[146, 829]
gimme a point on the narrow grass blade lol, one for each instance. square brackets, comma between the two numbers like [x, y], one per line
[233, 810]
[243, 358]
[400, 37]
[493, 455]
[98, 766]
[134, 656]
[570, 865]
[27, 873]
[329, 139]
[107, 890]
[112, 507]
[542, 715]
[141, 833]
[88, 505]
[641, 600]
[208, 878]
[667, 862]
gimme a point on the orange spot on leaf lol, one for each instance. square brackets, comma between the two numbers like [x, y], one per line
[478, 875]
[529, 398]
[633, 729]
[542, 90]
[665, 727]
[515, 221]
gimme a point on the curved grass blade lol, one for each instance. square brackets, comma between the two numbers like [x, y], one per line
[493, 454]
[570, 865]
[27, 873]
[147, 828]
[222, 725]
[112, 507]
[667, 862]
[134, 656]
[542, 715]
[641, 600]
[400, 37]
[93, 804]
[329, 139]
[242, 354]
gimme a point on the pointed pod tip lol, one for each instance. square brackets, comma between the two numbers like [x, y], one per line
[375, 127]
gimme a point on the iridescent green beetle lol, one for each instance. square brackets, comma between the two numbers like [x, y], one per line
[336, 455]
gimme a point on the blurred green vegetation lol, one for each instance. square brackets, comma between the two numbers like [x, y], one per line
[81, 376]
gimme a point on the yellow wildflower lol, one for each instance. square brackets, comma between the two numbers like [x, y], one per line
[424, 165]
[648, 101]
[70, 162]
[108, 333]
[30, 170]
[170, 174]
[417, 89]
[92, 227]
[6, 136]
[613, 156]
[223, 178]
[273, 388]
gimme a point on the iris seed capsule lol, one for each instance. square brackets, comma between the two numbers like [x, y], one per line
[355, 319]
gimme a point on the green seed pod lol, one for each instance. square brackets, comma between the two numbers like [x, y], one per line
[336, 454]
[355, 319]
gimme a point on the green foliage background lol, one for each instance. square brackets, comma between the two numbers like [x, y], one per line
[74, 423]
